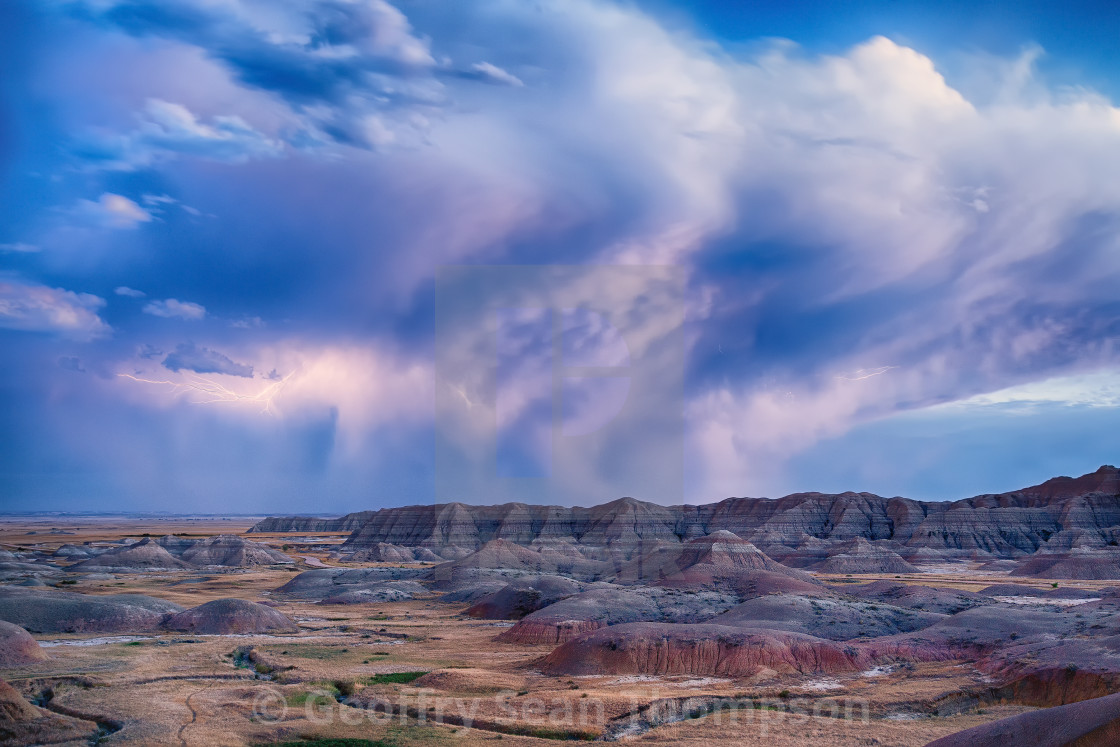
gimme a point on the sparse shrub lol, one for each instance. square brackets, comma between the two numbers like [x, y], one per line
[394, 678]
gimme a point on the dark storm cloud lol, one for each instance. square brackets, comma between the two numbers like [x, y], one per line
[204, 361]
[71, 363]
[830, 213]
[352, 58]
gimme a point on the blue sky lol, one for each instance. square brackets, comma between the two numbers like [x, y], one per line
[895, 228]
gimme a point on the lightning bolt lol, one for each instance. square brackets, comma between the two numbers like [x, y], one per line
[213, 392]
[866, 373]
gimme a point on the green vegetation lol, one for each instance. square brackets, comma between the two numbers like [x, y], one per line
[326, 694]
[546, 732]
[396, 678]
[309, 650]
[312, 742]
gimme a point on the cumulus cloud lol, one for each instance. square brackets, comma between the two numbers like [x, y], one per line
[172, 308]
[204, 361]
[110, 211]
[335, 62]
[489, 73]
[124, 290]
[168, 130]
[833, 215]
[39, 308]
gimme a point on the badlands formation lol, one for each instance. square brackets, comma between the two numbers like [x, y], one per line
[812, 619]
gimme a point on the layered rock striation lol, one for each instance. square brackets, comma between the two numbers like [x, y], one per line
[1060, 513]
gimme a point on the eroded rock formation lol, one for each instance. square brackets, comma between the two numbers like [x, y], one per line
[800, 529]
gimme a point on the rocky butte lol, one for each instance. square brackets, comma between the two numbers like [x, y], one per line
[809, 530]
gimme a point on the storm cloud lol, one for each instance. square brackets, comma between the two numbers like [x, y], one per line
[863, 234]
[190, 357]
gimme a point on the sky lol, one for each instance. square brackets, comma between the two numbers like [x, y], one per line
[712, 249]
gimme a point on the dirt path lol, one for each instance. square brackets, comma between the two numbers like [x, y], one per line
[194, 716]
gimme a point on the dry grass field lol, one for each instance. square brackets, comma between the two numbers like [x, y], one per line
[419, 672]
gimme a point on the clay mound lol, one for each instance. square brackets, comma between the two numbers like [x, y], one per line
[518, 599]
[1080, 563]
[471, 593]
[383, 591]
[750, 584]
[17, 647]
[705, 650]
[230, 616]
[793, 552]
[321, 583]
[145, 555]
[73, 552]
[177, 544]
[448, 552]
[13, 706]
[613, 605]
[503, 559]
[22, 723]
[15, 571]
[1066, 592]
[367, 596]
[999, 566]
[860, 556]
[581, 613]
[930, 556]
[500, 554]
[718, 554]
[914, 597]
[32, 581]
[232, 551]
[1043, 671]
[979, 631]
[1090, 723]
[383, 552]
[42, 611]
[1011, 590]
[834, 619]
[470, 680]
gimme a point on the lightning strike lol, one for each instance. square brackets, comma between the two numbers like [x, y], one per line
[212, 392]
[866, 373]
